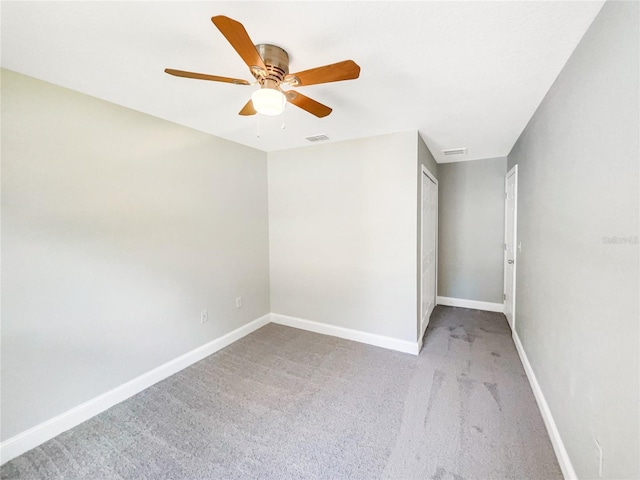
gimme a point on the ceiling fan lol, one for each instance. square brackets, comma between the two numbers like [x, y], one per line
[269, 65]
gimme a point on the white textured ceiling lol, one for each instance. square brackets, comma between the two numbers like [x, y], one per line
[464, 74]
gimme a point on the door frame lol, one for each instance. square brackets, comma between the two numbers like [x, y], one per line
[425, 171]
[513, 172]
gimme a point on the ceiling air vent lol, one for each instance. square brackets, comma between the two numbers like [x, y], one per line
[455, 151]
[318, 138]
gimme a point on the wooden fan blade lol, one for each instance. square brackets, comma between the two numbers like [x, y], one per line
[248, 109]
[308, 104]
[239, 39]
[346, 70]
[203, 76]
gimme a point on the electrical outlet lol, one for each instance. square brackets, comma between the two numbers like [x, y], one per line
[204, 316]
[599, 457]
[238, 302]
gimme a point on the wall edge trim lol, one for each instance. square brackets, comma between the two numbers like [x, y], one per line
[347, 333]
[560, 450]
[39, 434]
[474, 304]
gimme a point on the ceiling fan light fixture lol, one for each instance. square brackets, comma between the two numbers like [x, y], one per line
[269, 64]
[268, 101]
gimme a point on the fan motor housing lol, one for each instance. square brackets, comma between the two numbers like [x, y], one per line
[276, 60]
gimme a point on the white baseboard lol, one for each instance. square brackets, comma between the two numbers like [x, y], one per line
[45, 431]
[558, 445]
[347, 333]
[476, 305]
[39, 434]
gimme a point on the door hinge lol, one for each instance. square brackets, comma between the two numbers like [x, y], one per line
[505, 246]
[504, 296]
[505, 195]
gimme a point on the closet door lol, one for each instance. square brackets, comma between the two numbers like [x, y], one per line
[429, 207]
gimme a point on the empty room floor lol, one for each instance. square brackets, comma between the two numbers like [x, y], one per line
[286, 403]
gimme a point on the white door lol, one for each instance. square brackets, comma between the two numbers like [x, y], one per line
[510, 241]
[429, 242]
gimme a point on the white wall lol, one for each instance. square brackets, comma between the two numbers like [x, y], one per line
[342, 232]
[471, 229]
[577, 309]
[117, 230]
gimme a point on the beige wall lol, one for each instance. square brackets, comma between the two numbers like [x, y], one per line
[117, 230]
[577, 291]
[342, 231]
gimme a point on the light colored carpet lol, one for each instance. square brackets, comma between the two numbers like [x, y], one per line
[284, 403]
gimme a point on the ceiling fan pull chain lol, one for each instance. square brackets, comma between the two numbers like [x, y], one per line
[258, 125]
[284, 119]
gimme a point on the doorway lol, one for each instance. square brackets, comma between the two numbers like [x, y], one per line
[510, 243]
[428, 248]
